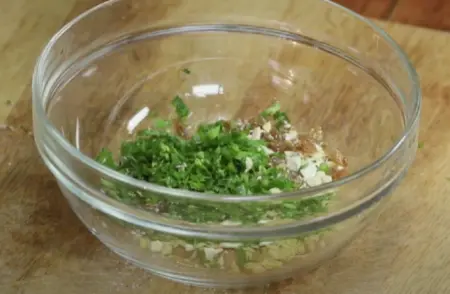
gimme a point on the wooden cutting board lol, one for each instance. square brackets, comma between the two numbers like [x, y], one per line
[45, 249]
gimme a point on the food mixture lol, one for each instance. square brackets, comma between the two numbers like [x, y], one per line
[262, 155]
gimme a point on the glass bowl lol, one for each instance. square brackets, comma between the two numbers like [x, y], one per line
[325, 65]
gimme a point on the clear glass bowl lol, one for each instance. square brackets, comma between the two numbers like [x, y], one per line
[327, 67]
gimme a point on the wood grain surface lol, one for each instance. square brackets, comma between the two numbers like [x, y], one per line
[45, 249]
[431, 13]
[427, 13]
[381, 9]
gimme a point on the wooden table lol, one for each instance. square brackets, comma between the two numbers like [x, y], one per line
[427, 13]
[45, 249]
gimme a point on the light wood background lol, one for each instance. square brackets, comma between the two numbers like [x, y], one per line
[45, 249]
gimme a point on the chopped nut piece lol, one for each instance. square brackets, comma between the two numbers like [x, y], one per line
[211, 253]
[256, 133]
[294, 162]
[230, 245]
[338, 158]
[309, 171]
[275, 191]
[291, 136]
[156, 246]
[167, 248]
[180, 130]
[306, 146]
[189, 247]
[267, 127]
[338, 173]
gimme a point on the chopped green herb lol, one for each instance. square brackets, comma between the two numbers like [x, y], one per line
[274, 108]
[324, 167]
[219, 158]
[180, 107]
[162, 124]
[186, 70]
[214, 132]
[105, 157]
[278, 116]
[420, 145]
[280, 119]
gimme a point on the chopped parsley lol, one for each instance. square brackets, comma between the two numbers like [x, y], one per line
[278, 116]
[219, 158]
[324, 167]
[180, 107]
[271, 110]
[186, 70]
[105, 157]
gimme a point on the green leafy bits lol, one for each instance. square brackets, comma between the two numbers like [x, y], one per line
[180, 107]
[219, 158]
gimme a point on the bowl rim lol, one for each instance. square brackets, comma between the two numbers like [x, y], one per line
[186, 194]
